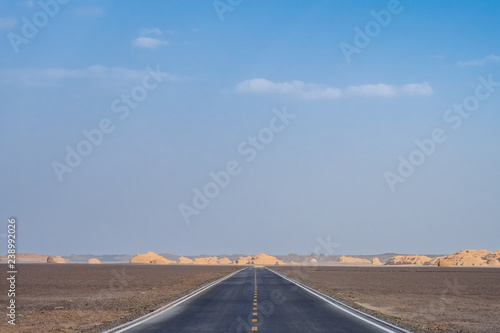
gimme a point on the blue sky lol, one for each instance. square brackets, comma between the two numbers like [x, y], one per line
[224, 74]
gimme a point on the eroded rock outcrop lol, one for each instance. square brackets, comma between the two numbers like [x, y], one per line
[259, 259]
[56, 260]
[345, 259]
[150, 258]
[409, 260]
[470, 258]
[94, 261]
[443, 263]
[376, 262]
[224, 261]
[205, 261]
[184, 260]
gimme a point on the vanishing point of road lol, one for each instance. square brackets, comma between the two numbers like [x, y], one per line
[256, 300]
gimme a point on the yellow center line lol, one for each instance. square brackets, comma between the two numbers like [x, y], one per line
[254, 320]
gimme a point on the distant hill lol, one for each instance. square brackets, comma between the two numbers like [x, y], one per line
[102, 258]
[287, 258]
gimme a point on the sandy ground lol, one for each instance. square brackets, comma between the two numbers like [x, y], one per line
[420, 299]
[92, 298]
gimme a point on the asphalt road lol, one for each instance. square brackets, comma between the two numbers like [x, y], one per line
[257, 299]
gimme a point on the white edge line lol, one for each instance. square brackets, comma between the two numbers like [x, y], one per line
[344, 308]
[167, 307]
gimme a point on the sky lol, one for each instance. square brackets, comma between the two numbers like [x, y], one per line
[210, 127]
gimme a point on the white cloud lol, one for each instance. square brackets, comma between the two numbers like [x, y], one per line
[299, 89]
[372, 90]
[153, 31]
[50, 76]
[89, 11]
[7, 23]
[423, 89]
[479, 62]
[146, 41]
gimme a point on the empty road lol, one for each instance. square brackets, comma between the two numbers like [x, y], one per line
[256, 299]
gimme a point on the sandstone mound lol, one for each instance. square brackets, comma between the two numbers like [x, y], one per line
[150, 258]
[162, 261]
[205, 261]
[224, 261]
[184, 260]
[94, 261]
[27, 257]
[443, 263]
[55, 260]
[470, 258]
[409, 260]
[493, 259]
[259, 259]
[243, 260]
[293, 263]
[345, 259]
[313, 260]
[376, 261]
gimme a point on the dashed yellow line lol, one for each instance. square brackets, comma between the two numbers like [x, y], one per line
[254, 320]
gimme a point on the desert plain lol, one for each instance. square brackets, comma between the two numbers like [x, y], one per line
[453, 293]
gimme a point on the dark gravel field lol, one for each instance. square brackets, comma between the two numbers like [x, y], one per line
[91, 298]
[420, 299]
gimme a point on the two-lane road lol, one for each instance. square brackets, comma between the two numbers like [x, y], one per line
[257, 299]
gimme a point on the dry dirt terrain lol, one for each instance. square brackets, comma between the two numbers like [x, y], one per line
[420, 299]
[92, 298]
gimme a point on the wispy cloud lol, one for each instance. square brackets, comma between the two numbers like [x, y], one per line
[309, 91]
[50, 76]
[479, 62]
[89, 11]
[149, 38]
[150, 31]
[372, 90]
[422, 89]
[7, 23]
